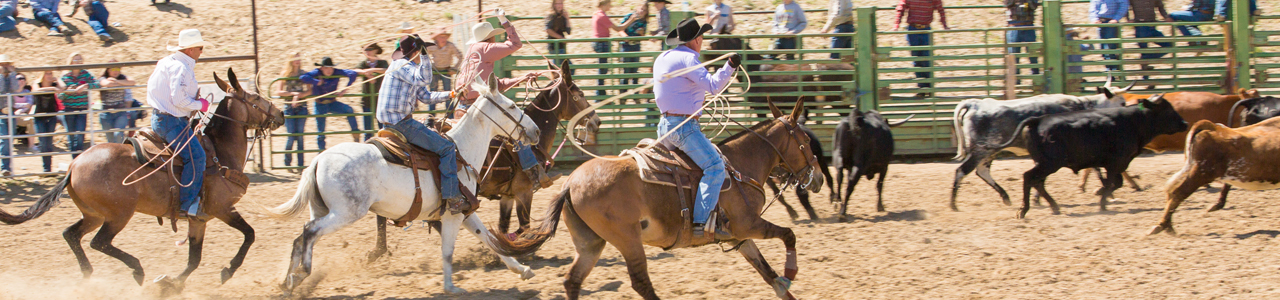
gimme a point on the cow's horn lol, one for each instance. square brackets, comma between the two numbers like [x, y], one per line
[1126, 89]
[1108, 84]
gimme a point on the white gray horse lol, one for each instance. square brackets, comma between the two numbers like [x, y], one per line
[346, 182]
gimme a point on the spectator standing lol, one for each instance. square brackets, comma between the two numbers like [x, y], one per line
[8, 15]
[1144, 11]
[115, 99]
[919, 15]
[1222, 9]
[98, 15]
[840, 15]
[1197, 11]
[1108, 11]
[76, 99]
[664, 17]
[330, 104]
[1022, 13]
[720, 16]
[47, 11]
[788, 18]
[371, 66]
[9, 84]
[446, 59]
[558, 28]
[46, 103]
[292, 92]
[637, 28]
[1077, 34]
[602, 26]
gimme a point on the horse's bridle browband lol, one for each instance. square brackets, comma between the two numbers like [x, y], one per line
[812, 160]
[519, 126]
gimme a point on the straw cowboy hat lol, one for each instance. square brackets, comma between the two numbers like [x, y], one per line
[483, 31]
[443, 31]
[189, 38]
[406, 26]
[4, 58]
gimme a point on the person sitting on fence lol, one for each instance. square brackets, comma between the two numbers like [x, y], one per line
[330, 105]
[558, 28]
[664, 17]
[8, 15]
[9, 84]
[1144, 11]
[43, 104]
[602, 27]
[919, 15]
[682, 97]
[292, 92]
[1022, 13]
[1197, 11]
[115, 99]
[370, 67]
[720, 17]
[1222, 10]
[46, 11]
[478, 64]
[840, 15]
[788, 19]
[173, 92]
[76, 99]
[406, 84]
[637, 28]
[446, 59]
[1108, 11]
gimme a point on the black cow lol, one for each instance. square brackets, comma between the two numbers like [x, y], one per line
[1108, 138]
[803, 194]
[1255, 110]
[864, 146]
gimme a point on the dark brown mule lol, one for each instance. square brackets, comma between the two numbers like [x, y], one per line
[515, 188]
[94, 183]
[605, 200]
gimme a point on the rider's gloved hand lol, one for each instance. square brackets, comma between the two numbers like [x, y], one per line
[204, 104]
[735, 61]
[502, 15]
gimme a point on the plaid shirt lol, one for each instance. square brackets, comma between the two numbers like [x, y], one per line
[920, 12]
[405, 83]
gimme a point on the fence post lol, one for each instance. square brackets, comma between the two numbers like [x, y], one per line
[866, 64]
[1054, 61]
[1242, 39]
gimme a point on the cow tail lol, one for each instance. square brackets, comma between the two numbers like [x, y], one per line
[1231, 115]
[1017, 132]
[958, 132]
[1196, 129]
[46, 202]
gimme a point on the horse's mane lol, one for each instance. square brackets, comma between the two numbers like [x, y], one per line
[217, 124]
[754, 128]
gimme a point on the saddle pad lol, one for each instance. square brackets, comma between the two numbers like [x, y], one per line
[148, 144]
[658, 165]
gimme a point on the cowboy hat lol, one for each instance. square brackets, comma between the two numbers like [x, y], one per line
[443, 31]
[189, 38]
[373, 47]
[686, 31]
[412, 43]
[326, 62]
[405, 26]
[663, 1]
[483, 31]
[4, 58]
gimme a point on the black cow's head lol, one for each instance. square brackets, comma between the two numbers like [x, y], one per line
[1162, 117]
[1114, 93]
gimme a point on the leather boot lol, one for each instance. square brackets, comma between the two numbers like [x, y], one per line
[540, 177]
[459, 204]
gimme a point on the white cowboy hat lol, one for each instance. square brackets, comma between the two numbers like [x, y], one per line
[483, 31]
[189, 38]
[4, 58]
[405, 26]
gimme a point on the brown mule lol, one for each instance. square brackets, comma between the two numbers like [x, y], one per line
[503, 181]
[110, 204]
[605, 200]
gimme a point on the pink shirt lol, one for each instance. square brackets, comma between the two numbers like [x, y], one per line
[480, 58]
[602, 24]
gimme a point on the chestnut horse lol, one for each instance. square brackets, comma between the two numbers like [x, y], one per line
[605, 200]
[94, 183]
[513, 188]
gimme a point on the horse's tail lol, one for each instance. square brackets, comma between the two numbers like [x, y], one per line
[307, 191]
[46, 202]
[531, 240]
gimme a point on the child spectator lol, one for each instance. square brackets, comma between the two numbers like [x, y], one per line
[292, 91]
[74, 99]
[115, 99]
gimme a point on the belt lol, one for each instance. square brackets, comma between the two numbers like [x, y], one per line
[1021, 23]
[679, 115]
[849, 23]
[158, 112]
[1104, 20]
[919, 26]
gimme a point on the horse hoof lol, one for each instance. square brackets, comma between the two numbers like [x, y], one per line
[168, 286]
[1156, 229]
[454, 290]
[781, 285]
[528, 273]
[139, 277]
[226, 274]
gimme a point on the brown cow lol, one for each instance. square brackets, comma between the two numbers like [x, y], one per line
[1247, 157]
[1193, 107]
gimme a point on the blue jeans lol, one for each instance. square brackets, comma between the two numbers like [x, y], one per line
[7, 22]
[50, 18]
[4, 144]
[175, 131]
[1110, 33]
[334, 107]
[98, 19]
[921, 39]
[115, 120]
[602, 47]
[439, 81]
[527, 158]
[1147, 32]
[689, 138]
[297, 125]
[46, 125]
[784, 43]
[1022, 36]
[74, 123]
[418, 134]
[625, 47]
[1186, 16]
[842, 42]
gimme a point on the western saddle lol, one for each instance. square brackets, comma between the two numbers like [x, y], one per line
[151, 150]
[672, 167]
[397, 150]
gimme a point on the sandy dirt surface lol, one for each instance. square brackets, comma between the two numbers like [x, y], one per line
[918, 249]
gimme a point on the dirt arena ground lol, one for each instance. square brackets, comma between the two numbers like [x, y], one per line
[918, 249]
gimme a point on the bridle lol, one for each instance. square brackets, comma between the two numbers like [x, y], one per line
[259, 129]
[791, 174]
[519, 128]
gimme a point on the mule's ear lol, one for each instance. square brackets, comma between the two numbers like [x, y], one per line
[235, 82]
[221, 84]
[564, 71]
[774, 109]
[493, 85]
[798, 111]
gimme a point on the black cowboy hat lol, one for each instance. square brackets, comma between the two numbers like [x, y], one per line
[373, 47]
[686, 31]
[326, 62]
[412, 43]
